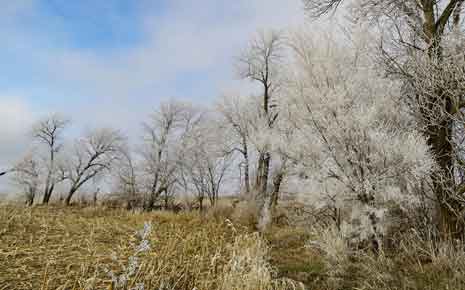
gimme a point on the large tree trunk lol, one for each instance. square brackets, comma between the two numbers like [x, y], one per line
[439, 138]
[277, 181]
[264, 159]
[46, 198]
[68, 198]
[444, 185]
[48, 194]
[262, 174]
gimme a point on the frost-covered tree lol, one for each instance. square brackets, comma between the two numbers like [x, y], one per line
[27, 174]
[354, 140]
[162, 151]
[261, 62]
[422, 45]
[207, 158]
[239, 113]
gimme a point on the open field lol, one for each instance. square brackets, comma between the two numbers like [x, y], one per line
[97, 248]
[73, 248]
[58, 248]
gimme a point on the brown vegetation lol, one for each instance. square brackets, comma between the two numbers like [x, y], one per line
[73, 248]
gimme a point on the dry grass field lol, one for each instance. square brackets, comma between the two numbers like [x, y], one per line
[85, 248]
[95, 248]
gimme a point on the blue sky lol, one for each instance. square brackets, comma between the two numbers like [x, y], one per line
[110, 62]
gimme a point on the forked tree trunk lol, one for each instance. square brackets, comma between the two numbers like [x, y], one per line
[48, 194]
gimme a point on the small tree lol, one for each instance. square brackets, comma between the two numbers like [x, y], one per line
[161, 151]
[93, 156]
[27, 176]
[126, 174]
[207, 160]
[49, 132]
[238, 114]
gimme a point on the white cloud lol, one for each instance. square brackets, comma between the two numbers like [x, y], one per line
[198, 38]
[192, 39]
[118, 88]
[15, 118]
[189, 38]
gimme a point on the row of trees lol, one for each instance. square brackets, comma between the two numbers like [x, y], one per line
[359, 124]
[185, 149]
[52, 162]
[178, 153]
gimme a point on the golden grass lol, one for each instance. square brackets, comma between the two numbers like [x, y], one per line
[58, 248]
[49, 248]
[69, 248]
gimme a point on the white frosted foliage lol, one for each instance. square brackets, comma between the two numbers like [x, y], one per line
[354, 141]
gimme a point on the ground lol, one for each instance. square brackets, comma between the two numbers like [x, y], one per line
[55, 247]
[73, 248]
[85, 248]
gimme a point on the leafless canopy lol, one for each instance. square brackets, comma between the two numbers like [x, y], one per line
[93, 154]
[49, 132]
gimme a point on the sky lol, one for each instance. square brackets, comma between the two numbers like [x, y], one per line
[111, 62]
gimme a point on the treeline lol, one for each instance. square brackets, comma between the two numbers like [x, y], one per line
[362, 127]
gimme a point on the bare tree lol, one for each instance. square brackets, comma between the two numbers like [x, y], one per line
[261, 63]
[206, 159]
[238, 115]
[161, 150]
[127, 179]
[93, 155]
[420, 40]
[49, 132]
[27, 176]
